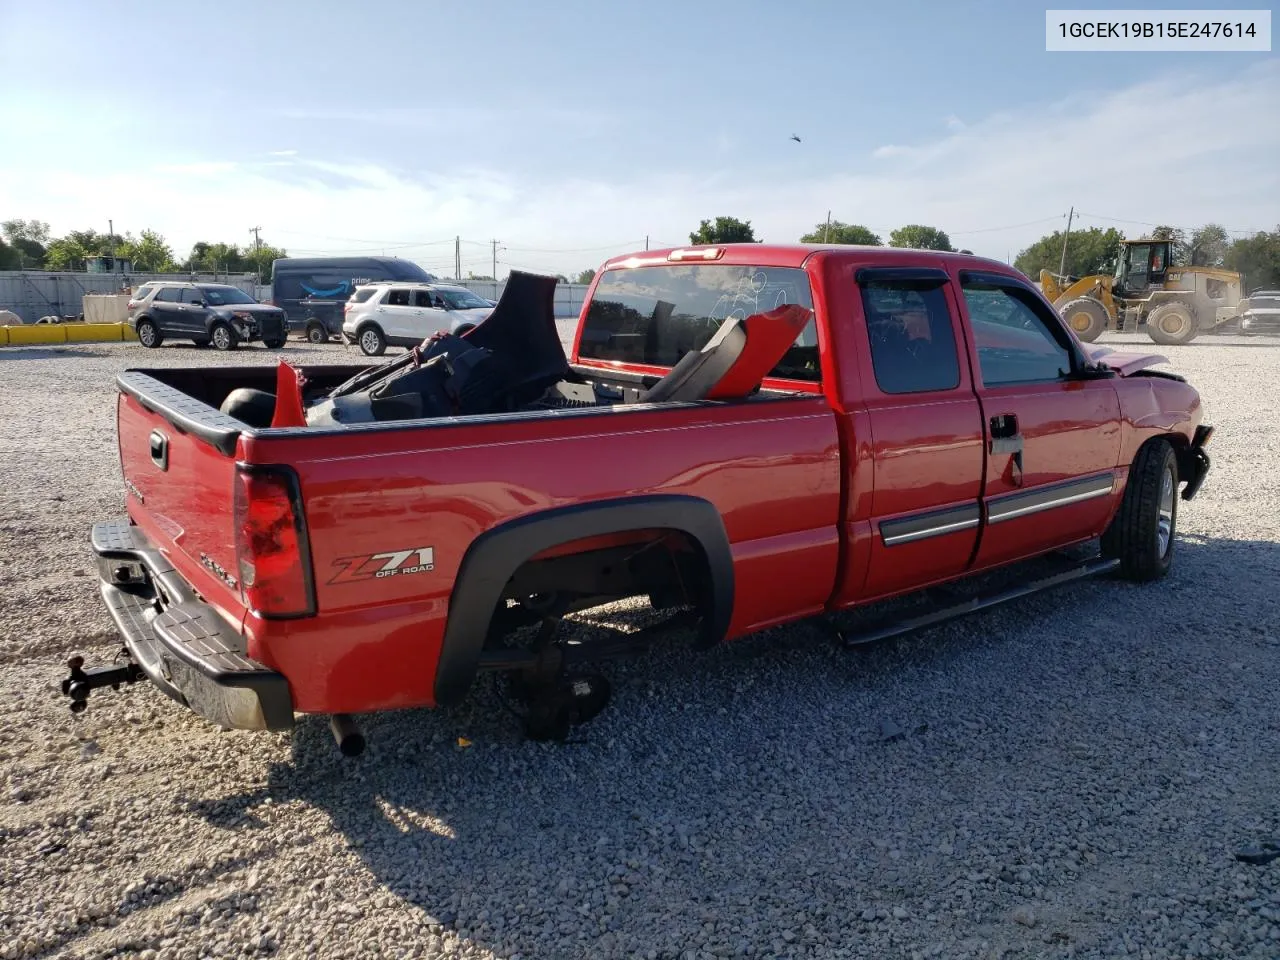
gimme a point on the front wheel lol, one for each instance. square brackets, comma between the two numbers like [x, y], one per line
[277, 344]
[372, 342]
[148, 334]
[1171, 324]
[224, 338]
[1141, 534]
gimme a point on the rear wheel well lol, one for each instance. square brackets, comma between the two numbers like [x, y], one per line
[671, 547]
[666, 566]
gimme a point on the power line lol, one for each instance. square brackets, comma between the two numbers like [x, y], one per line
[1144, 223]
[1012, 226]
[626, 245]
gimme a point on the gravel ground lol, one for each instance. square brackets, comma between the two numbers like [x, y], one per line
[1075, 773]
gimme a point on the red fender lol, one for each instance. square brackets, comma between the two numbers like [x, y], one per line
[769, 336]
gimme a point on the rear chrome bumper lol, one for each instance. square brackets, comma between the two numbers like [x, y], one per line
[179, 641]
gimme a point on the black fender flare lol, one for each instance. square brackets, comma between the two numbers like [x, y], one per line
[496, 554]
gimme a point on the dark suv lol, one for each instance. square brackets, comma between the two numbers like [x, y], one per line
[203, 313]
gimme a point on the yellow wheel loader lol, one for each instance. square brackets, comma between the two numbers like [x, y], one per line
[1174, 304]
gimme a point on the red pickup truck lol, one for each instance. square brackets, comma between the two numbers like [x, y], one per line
[744, 435]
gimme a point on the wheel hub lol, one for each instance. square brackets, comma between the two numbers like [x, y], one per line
[1174, 325]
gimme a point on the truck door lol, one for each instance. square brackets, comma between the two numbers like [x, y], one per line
[925, 430]
[1052, 436]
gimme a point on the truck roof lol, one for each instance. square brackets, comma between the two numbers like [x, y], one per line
[796, 254]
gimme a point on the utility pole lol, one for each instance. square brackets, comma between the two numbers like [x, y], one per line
[646, 241]
[257, 245]
[111, 243]
[826, 232]
[495, 259]
[457, 258]
[1062, 264]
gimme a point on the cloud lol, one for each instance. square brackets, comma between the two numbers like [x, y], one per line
[282, 153]
[1206, 154]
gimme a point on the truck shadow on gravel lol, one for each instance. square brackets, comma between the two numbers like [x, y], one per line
[784, 777]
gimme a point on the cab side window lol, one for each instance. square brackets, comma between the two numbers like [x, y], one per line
[913, 345]
[422, 298]
[169, 295]
[398, 298]
[1016, 343]
[191, 295]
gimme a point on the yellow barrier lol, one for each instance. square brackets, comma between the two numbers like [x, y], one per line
[33, 333]
[37, 333]
[91, 332]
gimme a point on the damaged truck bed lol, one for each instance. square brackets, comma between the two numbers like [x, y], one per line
[745, 435]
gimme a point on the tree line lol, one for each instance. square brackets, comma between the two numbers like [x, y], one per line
[29, 245]
[1088, 252]
[1093, 251]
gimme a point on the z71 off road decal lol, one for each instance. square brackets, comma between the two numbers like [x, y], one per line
[379, 566]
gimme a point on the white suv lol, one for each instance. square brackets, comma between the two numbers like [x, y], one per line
[398, 314]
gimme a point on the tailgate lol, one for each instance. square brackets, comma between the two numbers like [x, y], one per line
[180, 491]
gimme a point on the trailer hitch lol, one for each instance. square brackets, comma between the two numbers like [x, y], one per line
[82, 682]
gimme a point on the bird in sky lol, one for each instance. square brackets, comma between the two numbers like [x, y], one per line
[795, 138]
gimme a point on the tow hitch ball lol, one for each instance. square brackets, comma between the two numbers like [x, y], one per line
[82, 682]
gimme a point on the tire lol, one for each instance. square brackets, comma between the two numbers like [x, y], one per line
[464, 328]
[274, 344]
[148, 334]
[371, 340]
[1172, 323]
[1086, 316]
[1141, 535]
[224, 338]
[317, 334]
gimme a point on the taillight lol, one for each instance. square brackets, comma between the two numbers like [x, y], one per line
[272, 551]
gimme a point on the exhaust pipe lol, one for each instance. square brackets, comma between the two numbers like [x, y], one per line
[348, 736]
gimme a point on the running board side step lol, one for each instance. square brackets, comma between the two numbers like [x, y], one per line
[889, 627]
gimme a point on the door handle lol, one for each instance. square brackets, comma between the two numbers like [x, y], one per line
[159, 449]
[1005, 438]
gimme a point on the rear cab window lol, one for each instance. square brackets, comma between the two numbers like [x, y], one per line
[654, 315]
[911, 333]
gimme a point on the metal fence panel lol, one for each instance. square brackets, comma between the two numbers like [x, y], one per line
[33, 294]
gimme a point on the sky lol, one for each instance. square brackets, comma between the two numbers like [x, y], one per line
[571, 131]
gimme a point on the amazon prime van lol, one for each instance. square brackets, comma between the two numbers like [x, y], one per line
[312, 290]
